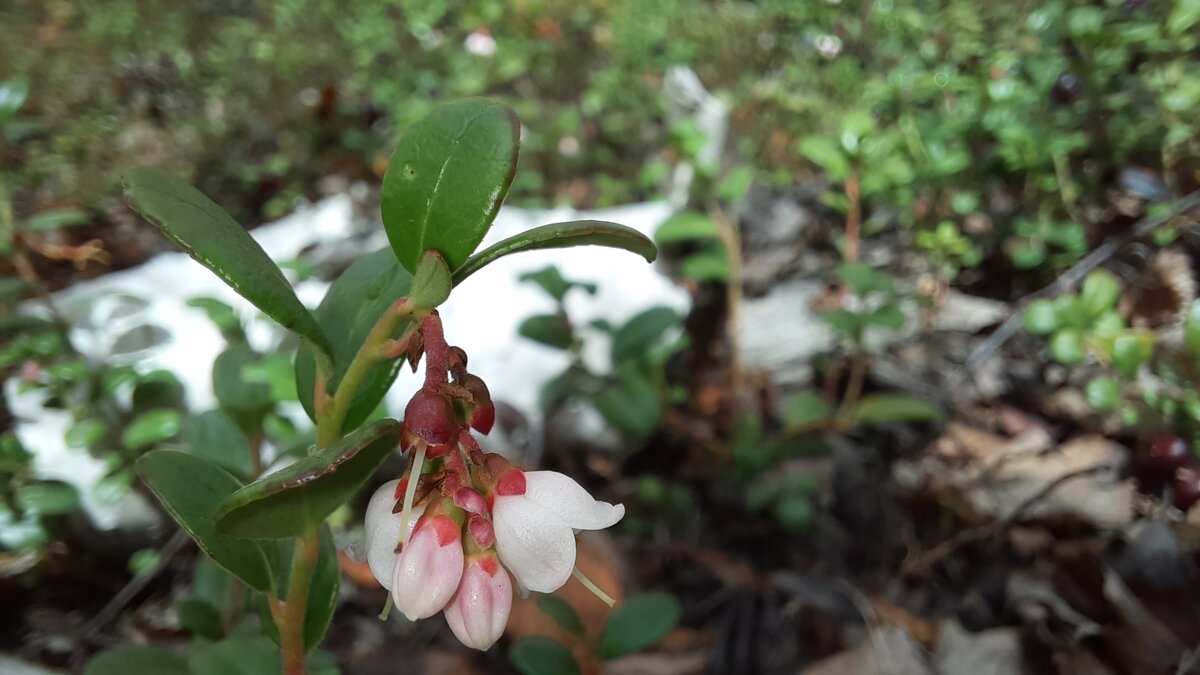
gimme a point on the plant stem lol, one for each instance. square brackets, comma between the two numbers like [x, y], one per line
[329, 426]
[295, 606]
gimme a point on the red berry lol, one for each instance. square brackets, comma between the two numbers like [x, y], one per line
[1067, 88]
[1167, 452]
[1186, 487]
[430, 417]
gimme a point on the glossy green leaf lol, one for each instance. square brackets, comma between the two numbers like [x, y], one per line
[562, 235]
[287, 502]
[208, 234]
[1103, 393]
[642, 332]
[135, 660]
[1040, 317]
[447, 178]
[888, 407]
[631, 405]
[1130, 350]
[13, 94]
[637, 623]
[555, 285]
[825, 153]
[542, 656]
[86, 433]
[1191, 330]
[349, 311]
[199, 618]
[215, 436]
[552, 330]
[47, 498]
[1100, 292]
[233, 389]
[191, 488]
[685, 226]
[1067, 346]
[562, 613]
[150, 428]
[431, 283]
[804, 409]
[244, 654]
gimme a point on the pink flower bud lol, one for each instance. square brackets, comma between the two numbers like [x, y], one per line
[428, 568]
[430, 417]
[479, 610]
[483, 411]
[470, 501]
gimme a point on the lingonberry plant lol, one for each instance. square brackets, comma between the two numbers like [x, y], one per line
[447, 535]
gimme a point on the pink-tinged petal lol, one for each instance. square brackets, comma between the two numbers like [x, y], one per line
[479, 610]
[382, 532]
[537, 547]
[570, 502]
[428, 569]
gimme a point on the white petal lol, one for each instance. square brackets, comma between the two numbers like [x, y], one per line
[568, 500]
[382, 528]
[537, 547]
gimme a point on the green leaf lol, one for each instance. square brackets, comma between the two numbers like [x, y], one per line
[1103, 393]
[805, 408]
[631, 405]
[143, 561]
[637, 623]
[1184, 15]
[131, 660]
[1100, 292]
[1067, 346]
[562, 235]
[1131, 350]
[888, 316]
[214, 436]
[85, 433]
[685, 226]
[208, 234]
[300, 496]
[845, 322]
[562, 613]
[191, 488]
[887, 407]
[1040, 317]
[825, 153]
[447, 178]
[348, 312]
[542, 656]
[643, 331]
[552, 330]
[199, 618]
[150, 428]
[431, 284]
[708, 265]
[863, 278]
[795, 513]
[1191, 330]
[249, 654]
[233, 389]
[221, 314]
[12, 96]
[553, 282]
[47, 498]
[56, 219]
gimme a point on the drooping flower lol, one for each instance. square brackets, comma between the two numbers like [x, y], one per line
[429, 567]
[535, 515]
[382, 527]
[478, 612]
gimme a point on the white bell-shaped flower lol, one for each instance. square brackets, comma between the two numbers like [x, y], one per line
[382, 529]
[535, 527]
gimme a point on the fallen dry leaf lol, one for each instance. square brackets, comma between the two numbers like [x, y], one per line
[886, 651]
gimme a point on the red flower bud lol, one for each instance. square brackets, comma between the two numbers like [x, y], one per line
[430, 417]
[483, 412]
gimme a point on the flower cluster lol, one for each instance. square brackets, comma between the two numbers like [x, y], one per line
[445, 537]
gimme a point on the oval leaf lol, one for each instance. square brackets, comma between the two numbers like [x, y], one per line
[642, 332]
[894, 408]
[562, 613]
[561, 235]
[447, 178]
[214, 239]
[638, 623]
[215, 436]
[191, 489]
[542, 656]
[348, 312]
[130, 659]
[287, 502]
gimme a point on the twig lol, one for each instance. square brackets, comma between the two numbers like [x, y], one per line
[966, 537]
[727, 231]
[1065, 281]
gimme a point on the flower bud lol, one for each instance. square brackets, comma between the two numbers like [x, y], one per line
[478, 612]
[483, 411]
[429, 567]
[430, 417]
